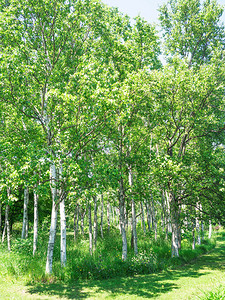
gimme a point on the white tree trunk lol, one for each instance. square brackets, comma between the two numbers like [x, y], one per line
[82, 221]
[202, 229]
[102, 214]
[76, 221]
[35, 237]
[7, 227]
[52, 232]
[134, 229]
[3, 233]
[63, 232]
[62, 219]
[95, 221]
[148, 215]
[90, 230]
[154, 219]
[198, 231]
[193, 234]
[175, 224]
[7, 220]
[25, 214]
[108, 215]
[143, 218]
[122, 223]
[210, 229]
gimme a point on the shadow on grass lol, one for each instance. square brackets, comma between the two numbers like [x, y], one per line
[144, 286]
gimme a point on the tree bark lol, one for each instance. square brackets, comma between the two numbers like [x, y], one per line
[35, 237]
[90, 230]
[143, 218]
[134, 229]
[148, 215]
[102, 214]
[210, 229]
[82, 221]
[3, 233]
[175, 224]
[193, 234]
[24, 234]
[95, 222]
[198, 231]
[154, 219]
[62, 219]
[122, 221]
[7, 227]
[63, 232]
[76, 221]
[108, 215]
[52, 232]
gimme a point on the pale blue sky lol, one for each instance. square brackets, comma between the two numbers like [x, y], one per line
[146, 8]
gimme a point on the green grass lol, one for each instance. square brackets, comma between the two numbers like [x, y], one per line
[22, 276]
[217, 294]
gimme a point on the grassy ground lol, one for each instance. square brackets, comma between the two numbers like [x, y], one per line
[188, 282]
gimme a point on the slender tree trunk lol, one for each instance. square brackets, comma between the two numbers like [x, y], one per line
[168, 206]
[52, 232]
[134, 229]
[165, 212]
[63, 232]
[154, 219]
[198, 231]
[126, 218]
[175, 225]
[143, 218]
[35, 237]
[3, 233]
[122, 221]
[76, 221]
[179, 227]
[113, 215]
[82, 221]
[108, 215]
[7, 226]
[210, 229]
[95, 221]
[102, 214]
[202, 223]
[25, 213]
[148, 215]
[90, 230]
[202, 230]
[193, 234]
[62, 210]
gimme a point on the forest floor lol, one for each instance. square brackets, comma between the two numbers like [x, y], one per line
[190, 281]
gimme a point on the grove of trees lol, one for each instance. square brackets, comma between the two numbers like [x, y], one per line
[94, 125]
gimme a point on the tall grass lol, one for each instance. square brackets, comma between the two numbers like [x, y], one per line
[105, 262]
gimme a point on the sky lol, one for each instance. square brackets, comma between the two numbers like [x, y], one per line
[145, 8]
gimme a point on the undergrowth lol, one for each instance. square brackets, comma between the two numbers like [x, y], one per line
[106, 261]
